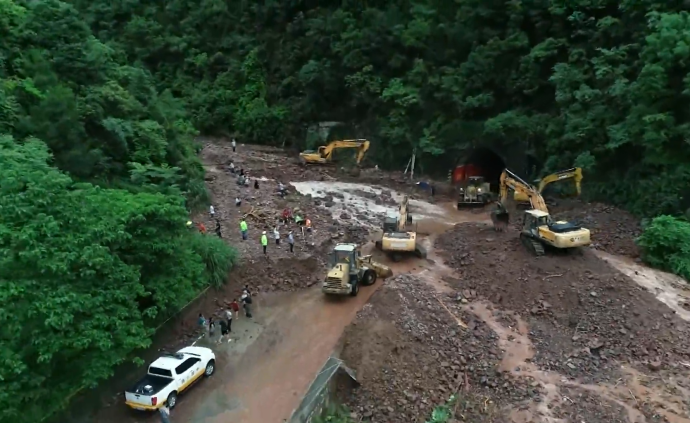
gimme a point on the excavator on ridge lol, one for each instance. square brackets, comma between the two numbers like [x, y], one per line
[399, 236]
[574, 173]
[539, 229]
[324, 154]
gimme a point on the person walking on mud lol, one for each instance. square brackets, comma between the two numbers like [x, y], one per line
[224, 330]
[291, 242]
[235, 307]
[264, 243]
[228, 318]
[276, 235]
[164, 413]
[246, 304]
[218, 230]
[243, 229]
[234, 145]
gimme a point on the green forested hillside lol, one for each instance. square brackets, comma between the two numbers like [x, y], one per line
[99, 102]
[97, 173]
[597, 83]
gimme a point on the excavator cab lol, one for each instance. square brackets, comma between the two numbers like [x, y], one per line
[534, 219]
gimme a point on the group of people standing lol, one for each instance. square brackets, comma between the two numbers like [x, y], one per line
[232, 311]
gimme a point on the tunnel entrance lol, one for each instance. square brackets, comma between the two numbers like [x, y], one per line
[490, 163]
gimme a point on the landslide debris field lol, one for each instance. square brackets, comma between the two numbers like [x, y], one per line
[560, 338]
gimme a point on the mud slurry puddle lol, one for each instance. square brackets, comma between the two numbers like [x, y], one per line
[368, 204]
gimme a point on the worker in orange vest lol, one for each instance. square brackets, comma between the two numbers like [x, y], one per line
[308, 225]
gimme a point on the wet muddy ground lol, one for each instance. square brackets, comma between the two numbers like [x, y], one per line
[585, 336]
[516, 338]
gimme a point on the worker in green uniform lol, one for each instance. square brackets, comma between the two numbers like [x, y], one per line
[243, 229]
[264, 241]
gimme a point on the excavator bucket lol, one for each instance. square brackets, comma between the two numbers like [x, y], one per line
[500, 217]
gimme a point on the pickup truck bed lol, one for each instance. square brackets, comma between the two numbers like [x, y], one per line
[156, 382]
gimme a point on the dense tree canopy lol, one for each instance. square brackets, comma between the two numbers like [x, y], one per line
[97, 173]
[601, 84]
[99, 102]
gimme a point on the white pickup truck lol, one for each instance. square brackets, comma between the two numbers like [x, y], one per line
[168, 376]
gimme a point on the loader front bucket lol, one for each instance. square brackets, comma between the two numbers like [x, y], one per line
[382, 271]
[470, 204]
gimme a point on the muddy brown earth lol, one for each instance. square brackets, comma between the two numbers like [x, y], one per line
[613, 230]
[291, 277]
[426, 337]
[559, 338]
[411, 354]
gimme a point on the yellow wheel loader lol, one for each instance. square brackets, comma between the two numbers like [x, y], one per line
[574, 173]
[349, 270]
[324, 154]
[474, 192]
[538, 229]
[400, 234]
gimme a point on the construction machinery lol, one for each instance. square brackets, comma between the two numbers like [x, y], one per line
[324, 154]
[349, 269]
[474, 192]
[400, 234]
[574, 173]
[539, 229]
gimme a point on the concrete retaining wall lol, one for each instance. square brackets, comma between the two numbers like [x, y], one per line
[321, 392]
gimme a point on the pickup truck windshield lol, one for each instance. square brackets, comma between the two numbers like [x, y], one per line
[160, 372]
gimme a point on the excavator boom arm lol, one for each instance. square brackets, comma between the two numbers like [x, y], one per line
[574, 173]
[361, 145]
[514, 182]
[402, 220]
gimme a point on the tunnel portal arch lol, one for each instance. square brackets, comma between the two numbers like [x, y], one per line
[491, 163]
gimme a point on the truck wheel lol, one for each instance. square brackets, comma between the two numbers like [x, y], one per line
[210, 368]
[369, 278]
[172, 400]
[355, 290]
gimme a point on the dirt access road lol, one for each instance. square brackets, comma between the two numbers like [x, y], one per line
[272, 359]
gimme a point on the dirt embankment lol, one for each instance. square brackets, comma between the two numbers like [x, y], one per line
[574, 300]
[411, 354]
[613, 230]
[560, 338]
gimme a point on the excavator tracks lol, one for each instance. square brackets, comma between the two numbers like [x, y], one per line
[536, 247]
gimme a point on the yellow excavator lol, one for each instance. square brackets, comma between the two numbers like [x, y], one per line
[349, 270]
[400, 234]
[574, 173]
[538, 228]
[324, 154]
